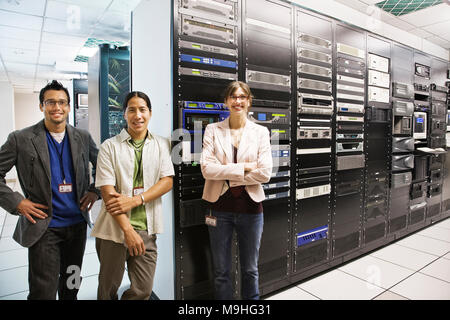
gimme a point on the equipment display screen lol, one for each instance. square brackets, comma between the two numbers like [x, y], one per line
[205, 119]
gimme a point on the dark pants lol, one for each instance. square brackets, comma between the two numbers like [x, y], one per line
[249, 228]
[54, 263]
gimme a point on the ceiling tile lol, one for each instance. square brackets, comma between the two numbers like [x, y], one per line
[20, 20]
[24, 35]
[421, 33]
[47, 60]
[18, 43]
[446, 36]
[58, 49]
[20, 59]
[61, 27]
[428, 16]
[20, 69]
[126, 6]
[439, 28]
[355, 4]
[61, 39]
[439, 41]
[89, 3]
[370, 1]
[396, 22]
[34, 7]
[117, 21]
[74, 15]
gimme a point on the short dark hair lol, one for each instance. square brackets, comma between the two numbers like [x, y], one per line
[54, 85]
[138, 94]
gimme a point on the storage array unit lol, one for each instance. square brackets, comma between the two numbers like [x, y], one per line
[357, 124]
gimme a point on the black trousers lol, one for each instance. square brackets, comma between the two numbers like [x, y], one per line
[54, 263]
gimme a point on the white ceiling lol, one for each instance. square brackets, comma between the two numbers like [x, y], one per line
[432, 23]
[39, 39]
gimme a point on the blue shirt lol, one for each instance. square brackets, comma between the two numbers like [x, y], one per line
[66, 210]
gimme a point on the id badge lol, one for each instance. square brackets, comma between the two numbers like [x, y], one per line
[65, 188]
[138, 190]
[211, 221]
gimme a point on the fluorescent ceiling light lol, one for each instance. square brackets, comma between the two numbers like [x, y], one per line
[87, 52]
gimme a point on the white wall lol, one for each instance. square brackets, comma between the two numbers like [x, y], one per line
[7, 110]
[7, 117]
[26, 110]
[151, 59]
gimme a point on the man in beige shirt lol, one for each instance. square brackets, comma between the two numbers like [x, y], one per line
[134, 170]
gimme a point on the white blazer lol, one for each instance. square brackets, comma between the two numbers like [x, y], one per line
[217, 160]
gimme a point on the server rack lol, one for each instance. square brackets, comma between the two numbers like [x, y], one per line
[313, 147]
[348, 175]
[378, 139]
[267, 43]
[206, 58]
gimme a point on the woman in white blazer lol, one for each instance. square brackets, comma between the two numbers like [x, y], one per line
[236, 159]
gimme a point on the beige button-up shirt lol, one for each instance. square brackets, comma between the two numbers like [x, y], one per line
[115, 166]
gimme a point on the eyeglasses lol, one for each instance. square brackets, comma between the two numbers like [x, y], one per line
[242, 97]
[52, 103]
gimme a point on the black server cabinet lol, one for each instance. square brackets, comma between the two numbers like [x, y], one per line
[267, 68]
[350, 66]
[206, 58]
[313, 136]
[402, 160]
[378, 138]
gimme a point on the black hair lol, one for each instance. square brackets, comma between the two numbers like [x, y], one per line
[54, 85]
[138, 94]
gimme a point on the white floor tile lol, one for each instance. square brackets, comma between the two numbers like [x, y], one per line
[436, 232]
[13, 259]
[444, 224]
[388, 295]
[405, 257]
[376, 271]
[425, 244]
[344, 287]
[8, 230]
[16, 296]
[13, 281]
[11, 219]
[90, 246]
[7, 244]
[91, 265]
[438, 269]
[447, 256]
[423, 287]
[88, 288]
[293, 293]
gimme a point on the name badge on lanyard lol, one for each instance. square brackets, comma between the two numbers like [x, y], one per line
[138, 190]
[65, 188]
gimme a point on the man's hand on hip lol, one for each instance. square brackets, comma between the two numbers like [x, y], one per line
[30, 209]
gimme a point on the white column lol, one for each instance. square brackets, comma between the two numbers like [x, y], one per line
[151, 63]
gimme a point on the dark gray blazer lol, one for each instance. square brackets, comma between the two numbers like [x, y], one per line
[27, 150]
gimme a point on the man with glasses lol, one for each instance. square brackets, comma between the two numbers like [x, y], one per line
[52, 162]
